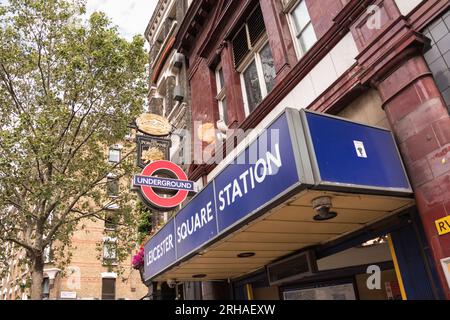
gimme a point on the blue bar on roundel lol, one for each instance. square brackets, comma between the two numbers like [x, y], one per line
[164, 183]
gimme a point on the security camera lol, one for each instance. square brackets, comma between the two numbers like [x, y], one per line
[171, 283]
[322, 206]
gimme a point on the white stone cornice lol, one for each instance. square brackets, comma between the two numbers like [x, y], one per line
[51, 273]
[110, 275]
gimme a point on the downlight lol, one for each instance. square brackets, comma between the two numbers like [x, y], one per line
[322, 206]
[246, 255]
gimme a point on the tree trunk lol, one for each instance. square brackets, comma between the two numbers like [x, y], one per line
[37, 277]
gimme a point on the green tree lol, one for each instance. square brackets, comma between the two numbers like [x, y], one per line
[145, 224]
[68, 90]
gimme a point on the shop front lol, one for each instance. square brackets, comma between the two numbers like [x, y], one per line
[315, 207]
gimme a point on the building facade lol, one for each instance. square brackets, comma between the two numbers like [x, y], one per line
[94, 271]
[87, 277]
[382, 63]
[169, 97]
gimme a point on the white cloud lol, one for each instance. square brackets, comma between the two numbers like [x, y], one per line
[131, 16]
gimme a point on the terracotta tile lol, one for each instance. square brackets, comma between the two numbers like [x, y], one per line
[430, 216]
[421, 144]
[439, 161]
[442, 130]
[434, 192]
[436, 249]
[444, 241]
[447, 207]
[419, 172]
[403, 104]
[428, 112]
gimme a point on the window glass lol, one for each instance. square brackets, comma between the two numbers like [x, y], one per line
[221, 98]
[109, 250]
[221, 80]
[304, 30]
[111, 220]
[114, 155]
[223, 110]
[47, 254]
[268, 67]
[252, 87]
[301, 16]
[112, 186]
[307, 38]
[46, 288]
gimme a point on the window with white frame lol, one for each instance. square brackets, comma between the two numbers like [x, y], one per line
[221, 98]
[109, 250]
[114, 155]
[46, 288]
[253, 59]
[47, 254]
[302, 27]
[112, 187]
[111, 219]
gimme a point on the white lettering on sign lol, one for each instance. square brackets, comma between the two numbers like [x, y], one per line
[360, 150]
[250, 178]
[195, 222]
[160, 250]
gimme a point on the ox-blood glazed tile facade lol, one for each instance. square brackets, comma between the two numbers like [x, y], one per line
[389, 40]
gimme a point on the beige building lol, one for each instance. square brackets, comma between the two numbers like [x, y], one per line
[93, 270]
[87, 277]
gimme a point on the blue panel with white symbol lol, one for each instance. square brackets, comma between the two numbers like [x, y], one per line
[344, 155]
[353, 154]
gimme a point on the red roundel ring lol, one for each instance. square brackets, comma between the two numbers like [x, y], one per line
[151, 195]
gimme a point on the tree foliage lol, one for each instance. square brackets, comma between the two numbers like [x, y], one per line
[68, 90]
[145, 224]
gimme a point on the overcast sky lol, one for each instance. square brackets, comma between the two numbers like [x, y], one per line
[131, 16]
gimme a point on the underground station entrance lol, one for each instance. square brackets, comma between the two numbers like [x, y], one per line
[283, 231]
[324, 207]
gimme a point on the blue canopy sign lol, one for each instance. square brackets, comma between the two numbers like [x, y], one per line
[298, 150]
[353, 155]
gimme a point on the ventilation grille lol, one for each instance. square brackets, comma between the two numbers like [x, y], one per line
[240, 46]
[292, 268]
[256, 26]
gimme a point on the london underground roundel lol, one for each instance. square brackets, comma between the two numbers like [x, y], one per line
[147, 182]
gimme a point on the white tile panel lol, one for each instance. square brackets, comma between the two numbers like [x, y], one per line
[406, 6]
[323, 74]
[343, 54]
